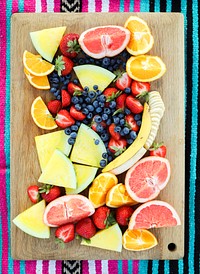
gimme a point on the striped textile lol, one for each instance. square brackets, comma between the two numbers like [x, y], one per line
[191, 262]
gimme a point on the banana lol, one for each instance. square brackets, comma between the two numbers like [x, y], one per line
[157, 109]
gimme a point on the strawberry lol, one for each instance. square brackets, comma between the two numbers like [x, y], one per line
[65, 233]
[71, 88]
[132, 124]
[76, 114]
[69, 45]
[94, 125]
[102, 217]
[134, 104]
[33, 193]
[140, 89]
[63, 65]
[49, 192]
[117, 147]
[158, 149]
[115, 135]
[54, 106]
[66, 98]
[111, 94]
[123, 215]
[121, 99]
[64, 119]
[85, 228]
[123, 80]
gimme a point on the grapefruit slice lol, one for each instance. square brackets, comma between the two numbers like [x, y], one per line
[67, 209]
[85, 150]
[84, 176]
[59, 171]
[154, 214]
[147, 178]
[90, 75]
[46, 41]
[110, 239]
[104, 41]
[31, 221]
[47, 143]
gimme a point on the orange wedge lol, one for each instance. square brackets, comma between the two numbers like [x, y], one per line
[99, 188]
[118, 196]
[39, 82]
[41, 115]
[36, 65]
[138, 240]
[145, 68]
[141, 40]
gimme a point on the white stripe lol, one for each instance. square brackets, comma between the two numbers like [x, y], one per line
[39, 267]
[50, 5]
[91, 264]
[105, 6]
[52, 267]
[104, 266]
[91, 6]
[38, 6]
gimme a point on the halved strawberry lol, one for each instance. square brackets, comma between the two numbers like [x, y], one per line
[76, 114]
[115, 135]
[66, 98]
[54, 106]
[123, 80]
[49, 192]
[71, 88]
[64, 119]
[65, 233]
[33, 193]
[117, 147]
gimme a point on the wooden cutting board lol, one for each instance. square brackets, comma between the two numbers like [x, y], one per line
[167, 29]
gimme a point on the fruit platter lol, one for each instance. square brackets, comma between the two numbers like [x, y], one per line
[97, 136]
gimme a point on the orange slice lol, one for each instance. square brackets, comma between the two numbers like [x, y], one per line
[118, 196]
[41, 115]
[36, 65]
[39, 82]
[138, 240]
[145, 68]
[141, 40]
[99, 188]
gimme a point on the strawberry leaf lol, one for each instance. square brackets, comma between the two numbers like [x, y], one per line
[119, 110]
[59, 64]
[73, 46]
[77, 92]
[118, 74]
[113, 96]
[144, 95]
[60, 242]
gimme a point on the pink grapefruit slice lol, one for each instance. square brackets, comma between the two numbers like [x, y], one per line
[104, 41]
[67, 209]
[147, 178]
[154, 214]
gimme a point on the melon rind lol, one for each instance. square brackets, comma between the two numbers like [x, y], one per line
[31, 221]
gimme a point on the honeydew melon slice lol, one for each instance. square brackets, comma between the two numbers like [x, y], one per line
[110, 238]
[90, 75]
[85, 151]
[47, 143]
[31, 221]
[84, 175]
[59, 171]
[46, 41]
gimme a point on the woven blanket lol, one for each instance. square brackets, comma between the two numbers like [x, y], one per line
[191, 262]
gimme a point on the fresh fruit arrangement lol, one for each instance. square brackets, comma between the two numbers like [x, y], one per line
[106, 119]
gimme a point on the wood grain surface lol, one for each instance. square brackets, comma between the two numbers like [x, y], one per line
[167, 30]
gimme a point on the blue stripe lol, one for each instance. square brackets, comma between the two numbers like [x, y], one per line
[157, 6]
[21, 5]
[131, 9]
[120, 267]
[143, 267]
[180, 266]
[121, 7]
[169, 6]
[144, 5]
[130, 267]
[155, 264]
[194, 125]
[166, 267]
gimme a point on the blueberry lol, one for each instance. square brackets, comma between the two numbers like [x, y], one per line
[91, 94]
[113, 61]
[75, 100]
[112, 104]
[99, 128]
[67, 131]
[104, 137]
[62, 78]
[116, 120]
[63, 87]
[126, 130]
[74, 127]
[85, 121]
[99, 110]
[58, 97]
[124, 65]
[116, 66]
[73, 135]
[104, 116]
[90, 108]
[85, 111]
[122, 122]
[105, 155]
[91, 60]
[96, 142]
[101, 104]
[107, 111]
[139, 122]
[90, 115]
[122, 133]
[103, 163]
[68, 76]
[84, 105]
[71, 141]
[121, 115]
[102, 98]
[109, 122]
[117, 129]
[106, 61]
[78, 123]
[85, 93]
[86, 88]
[66, 82]
[125, 54]
[57, 92]
[110, 158]
[55, 85]
[110, 68]
[75, 81]
[52, 90]
[127, 111]
[119, 61]
[55, 80]
[81, 61]
[77, 106]
[95, 87]
[129, 141]
[127, 90]
[97, 62]
[80, 100]
[137, 117]
[88, 100]
[95, 103]
[133, 135]
[98, 119]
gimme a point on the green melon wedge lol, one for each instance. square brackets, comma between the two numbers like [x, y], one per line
[84, 175]
[47, 143]
[90, 75]
[31, 221]
[46, 41]
[59, 171]
[85, 151]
